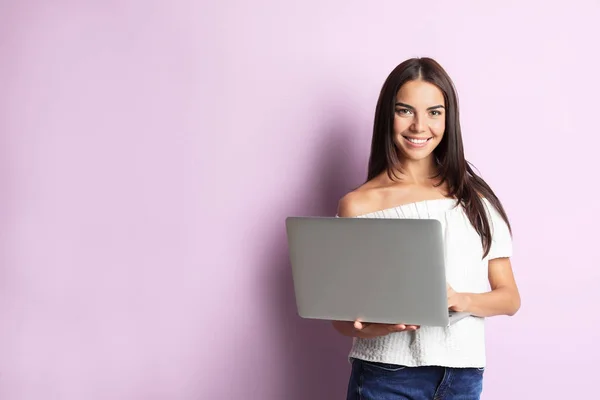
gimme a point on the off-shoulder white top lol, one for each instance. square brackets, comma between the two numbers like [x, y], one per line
[463, 343]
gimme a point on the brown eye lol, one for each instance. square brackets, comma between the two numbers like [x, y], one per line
[403, 111]
[436, 113]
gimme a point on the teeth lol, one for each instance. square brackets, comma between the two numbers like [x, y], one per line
[417, 141]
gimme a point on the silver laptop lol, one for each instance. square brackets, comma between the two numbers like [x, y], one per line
[372, 270]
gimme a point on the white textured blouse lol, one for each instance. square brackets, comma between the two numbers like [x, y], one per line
[462, 344]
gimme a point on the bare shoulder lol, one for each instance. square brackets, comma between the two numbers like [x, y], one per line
[358, 202]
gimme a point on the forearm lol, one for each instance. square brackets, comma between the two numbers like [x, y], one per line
[500, 301]
[345, 328]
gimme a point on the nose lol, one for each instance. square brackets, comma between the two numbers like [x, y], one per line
[417, 125]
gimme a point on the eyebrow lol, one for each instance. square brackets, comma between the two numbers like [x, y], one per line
[412, 108]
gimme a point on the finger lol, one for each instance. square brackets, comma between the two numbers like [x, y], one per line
[408, 328]
[374, 329]
[360, 325]
[397, 328]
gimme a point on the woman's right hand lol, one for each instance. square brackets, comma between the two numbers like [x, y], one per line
[371, 330]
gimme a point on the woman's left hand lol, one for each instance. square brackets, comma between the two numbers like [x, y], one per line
[457, 301]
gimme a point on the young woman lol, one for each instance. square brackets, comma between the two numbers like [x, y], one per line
[417, 169]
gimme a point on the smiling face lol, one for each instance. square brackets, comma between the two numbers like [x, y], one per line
[419, 120]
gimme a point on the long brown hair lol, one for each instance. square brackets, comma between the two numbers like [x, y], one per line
[453, 169]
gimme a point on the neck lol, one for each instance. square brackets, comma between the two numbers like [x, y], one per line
[418, 172]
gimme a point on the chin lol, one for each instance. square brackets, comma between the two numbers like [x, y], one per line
[416, 157]
[415, 153]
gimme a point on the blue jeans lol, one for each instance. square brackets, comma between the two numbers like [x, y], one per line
[377, 381]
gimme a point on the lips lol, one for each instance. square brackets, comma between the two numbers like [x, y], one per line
[417, 142]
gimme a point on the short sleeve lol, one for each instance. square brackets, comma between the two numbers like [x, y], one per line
[501, 238]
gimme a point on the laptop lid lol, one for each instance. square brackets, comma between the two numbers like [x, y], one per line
[370, 269]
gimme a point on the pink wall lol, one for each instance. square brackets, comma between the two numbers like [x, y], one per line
[150, 152]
